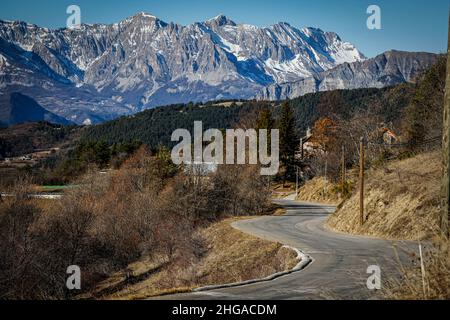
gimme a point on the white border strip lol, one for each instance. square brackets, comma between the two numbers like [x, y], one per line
[304, 261]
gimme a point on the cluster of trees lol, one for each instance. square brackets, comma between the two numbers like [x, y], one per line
[423, 116]
[6, 148]
[412, 111]
[108, 145]
[355, 112]
[154, 127]
[281, 117]
[147, 208]
[344, 104]
[289, 140]
[64, 168]
[26, 138]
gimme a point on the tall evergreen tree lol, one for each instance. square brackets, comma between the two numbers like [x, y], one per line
[289, 139]
[423, 116]
[265, 120]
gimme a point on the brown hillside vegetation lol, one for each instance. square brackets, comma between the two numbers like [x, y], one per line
[230, 256]
[402, 201]
[436, 261]
[147, 219]
[319, 190]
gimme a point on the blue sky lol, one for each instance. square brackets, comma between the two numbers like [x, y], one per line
[412, 25]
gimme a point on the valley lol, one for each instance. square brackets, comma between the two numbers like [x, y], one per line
[220, 160]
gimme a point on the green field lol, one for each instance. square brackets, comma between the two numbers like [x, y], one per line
[55, 188]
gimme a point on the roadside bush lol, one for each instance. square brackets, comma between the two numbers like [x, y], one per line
[239, 191]
[25, 271]
[113, 219]
[434, 284]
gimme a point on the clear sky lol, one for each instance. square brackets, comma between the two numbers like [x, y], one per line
[411, 25]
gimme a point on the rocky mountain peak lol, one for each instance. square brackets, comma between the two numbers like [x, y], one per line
[222, 20]
[387, 69]
[102, 71]
[145, 19]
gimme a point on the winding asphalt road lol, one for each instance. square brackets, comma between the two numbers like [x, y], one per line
[339, 261]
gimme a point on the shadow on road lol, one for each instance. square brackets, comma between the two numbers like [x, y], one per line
[306, 208]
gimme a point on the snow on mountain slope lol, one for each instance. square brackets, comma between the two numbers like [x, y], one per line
[142, 62]
[387, 69]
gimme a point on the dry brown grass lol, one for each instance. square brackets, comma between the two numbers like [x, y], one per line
[433, 284]
[235, 256]
[231, 256]
[402, 201]
[280, 212]
[319, 190]
[145, 209]
[281, 191]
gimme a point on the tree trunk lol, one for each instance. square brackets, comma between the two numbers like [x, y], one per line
[446, 152]
[361, 182]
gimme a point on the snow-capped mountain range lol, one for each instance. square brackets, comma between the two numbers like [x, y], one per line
[98, 72]
[387, 69]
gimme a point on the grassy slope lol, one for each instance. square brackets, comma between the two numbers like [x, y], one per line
[402, 201]
[231, 256]
[318, 190]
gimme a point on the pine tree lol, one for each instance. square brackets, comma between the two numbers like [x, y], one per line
[288, 139]
[423, 117]
[265, 120]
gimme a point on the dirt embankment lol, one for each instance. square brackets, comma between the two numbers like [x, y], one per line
[402, 201]
[319, 190]
[230, 256]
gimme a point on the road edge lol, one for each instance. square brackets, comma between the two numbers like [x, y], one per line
[304, 261]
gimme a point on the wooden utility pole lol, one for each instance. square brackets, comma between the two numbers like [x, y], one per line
[343, 172]
[361, 180]
[325, 188]
[446, 150]
[302, 152]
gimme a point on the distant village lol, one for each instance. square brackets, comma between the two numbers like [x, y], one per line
[31, 158]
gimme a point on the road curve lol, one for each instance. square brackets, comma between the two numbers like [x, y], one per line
[340, 261]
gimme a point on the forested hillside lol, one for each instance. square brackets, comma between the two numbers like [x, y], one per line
[29, 137]
[155, 127]
[396, 106]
